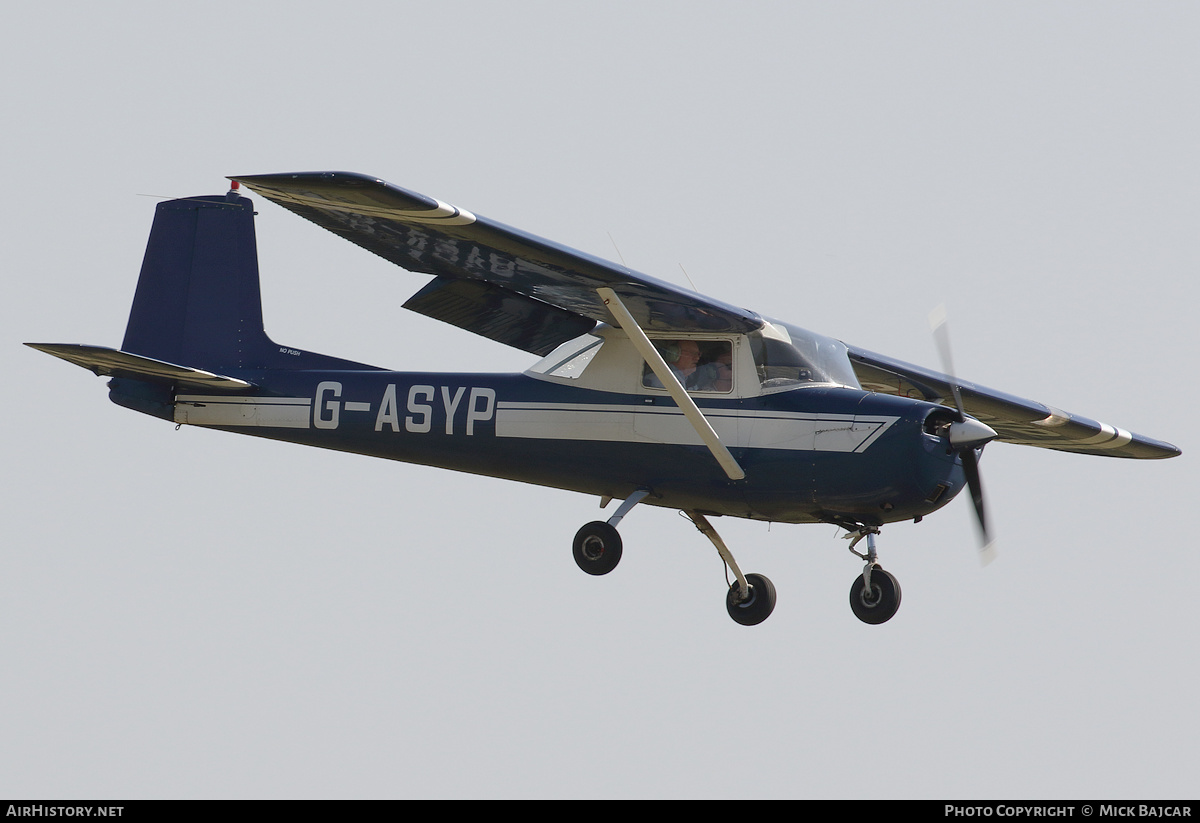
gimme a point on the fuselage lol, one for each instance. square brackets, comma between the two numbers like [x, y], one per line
[812, 454]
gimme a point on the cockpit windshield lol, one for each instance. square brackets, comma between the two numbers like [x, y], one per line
[787, 356]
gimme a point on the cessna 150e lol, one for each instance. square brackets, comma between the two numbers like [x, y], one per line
[645, 393]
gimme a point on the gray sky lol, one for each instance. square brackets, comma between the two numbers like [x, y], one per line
[196, 614]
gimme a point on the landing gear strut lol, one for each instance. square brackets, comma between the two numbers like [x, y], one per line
[597, 550]
[751, 598]
[875, 595]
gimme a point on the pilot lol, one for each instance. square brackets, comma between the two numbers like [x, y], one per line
[687, 361]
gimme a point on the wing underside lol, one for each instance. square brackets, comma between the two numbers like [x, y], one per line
[491, 279]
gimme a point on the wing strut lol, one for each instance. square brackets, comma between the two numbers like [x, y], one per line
[660, 368]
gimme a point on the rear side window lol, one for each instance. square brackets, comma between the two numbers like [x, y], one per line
[570, 359]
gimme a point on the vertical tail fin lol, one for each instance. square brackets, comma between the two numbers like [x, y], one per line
[198, 301]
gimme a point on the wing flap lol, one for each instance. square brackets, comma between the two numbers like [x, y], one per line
[425, 235]
[499, 314]
[1016, 419]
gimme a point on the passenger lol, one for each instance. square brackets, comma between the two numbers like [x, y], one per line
[717, 375]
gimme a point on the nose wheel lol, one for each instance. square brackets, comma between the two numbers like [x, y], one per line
[875, 595]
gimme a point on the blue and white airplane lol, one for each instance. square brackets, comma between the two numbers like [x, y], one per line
[645, 393]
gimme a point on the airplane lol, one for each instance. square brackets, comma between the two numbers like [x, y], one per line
[645, 392]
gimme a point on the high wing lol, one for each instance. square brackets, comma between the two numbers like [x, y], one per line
[534, 294]
[491, 279]
[1015, 419]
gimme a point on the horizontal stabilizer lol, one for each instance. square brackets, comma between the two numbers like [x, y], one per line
[105, 362]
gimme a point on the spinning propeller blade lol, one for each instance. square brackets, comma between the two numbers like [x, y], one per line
[967, 436]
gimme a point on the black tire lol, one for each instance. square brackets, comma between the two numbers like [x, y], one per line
[878, 605]
[757, 607]
[597, 548]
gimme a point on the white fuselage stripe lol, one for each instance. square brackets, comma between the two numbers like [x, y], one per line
[594, 422]
[791, 431]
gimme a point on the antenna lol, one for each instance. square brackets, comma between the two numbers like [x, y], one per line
[626, 265]
[614, 242]
[689, 278]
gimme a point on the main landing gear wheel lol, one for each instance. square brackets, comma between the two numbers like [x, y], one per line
[597, 548]
[758, 604]
[880, 602]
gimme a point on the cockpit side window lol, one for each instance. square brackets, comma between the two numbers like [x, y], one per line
[700, 365]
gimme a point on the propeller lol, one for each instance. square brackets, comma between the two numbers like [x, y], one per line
[967, 435]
